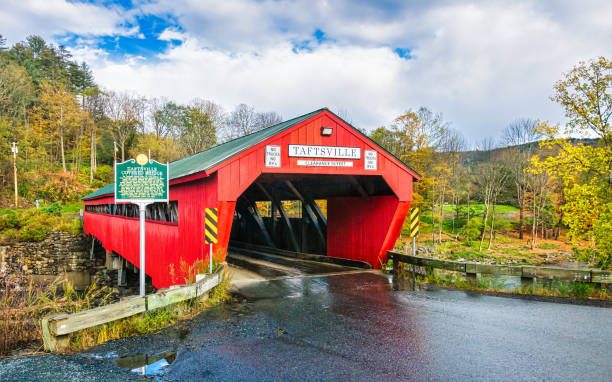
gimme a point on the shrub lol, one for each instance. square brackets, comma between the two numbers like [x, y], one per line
[471, 230]
[53, 209]
[10, 220]
[103, 175]
[582, 290]
[602, 230]
[59, 187]
[36, 230]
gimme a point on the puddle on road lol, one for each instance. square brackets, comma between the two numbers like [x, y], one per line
[147, 365]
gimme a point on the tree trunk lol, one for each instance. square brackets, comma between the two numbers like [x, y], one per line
[61, 137]
[433, 219]
[521, 216]
[534, 231]
[92, 156]
[484, 224]
[456, 218]
[558, 228]
[492, 225]
[441, 218]
[468, 206]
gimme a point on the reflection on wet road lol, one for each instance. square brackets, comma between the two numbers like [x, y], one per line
[354, 327]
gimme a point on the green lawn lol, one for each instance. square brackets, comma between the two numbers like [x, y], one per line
[478, 208]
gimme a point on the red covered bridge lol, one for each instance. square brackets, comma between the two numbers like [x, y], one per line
[308, 159]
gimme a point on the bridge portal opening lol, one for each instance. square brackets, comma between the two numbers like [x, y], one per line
[311, 213]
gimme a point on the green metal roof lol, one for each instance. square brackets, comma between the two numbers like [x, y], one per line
[207, 159]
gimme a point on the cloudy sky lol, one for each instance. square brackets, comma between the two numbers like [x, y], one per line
[481, 63]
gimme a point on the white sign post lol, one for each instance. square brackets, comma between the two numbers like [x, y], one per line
[142, 206]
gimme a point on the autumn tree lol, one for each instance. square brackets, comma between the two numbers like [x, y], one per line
[93, 102]
[197, 131]
[126, 115]
[584, 171]
[520, 136]
[59, 113]
[244, 120]
[491, 176]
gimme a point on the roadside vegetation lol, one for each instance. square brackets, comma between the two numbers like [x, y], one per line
[555, 288]
[32, 224]
[149, 322]
[23, 304]
[460, 240]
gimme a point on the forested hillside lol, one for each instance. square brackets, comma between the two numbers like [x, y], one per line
[69, 131]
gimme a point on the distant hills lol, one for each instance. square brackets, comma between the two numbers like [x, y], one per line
[478, 156]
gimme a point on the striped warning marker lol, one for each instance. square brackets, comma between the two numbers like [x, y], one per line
[210, 226]
[414, 222]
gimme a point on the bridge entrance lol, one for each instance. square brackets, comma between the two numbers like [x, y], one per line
[305, 212]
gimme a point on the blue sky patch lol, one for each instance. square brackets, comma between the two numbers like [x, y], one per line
[403, 53]
[144, 43]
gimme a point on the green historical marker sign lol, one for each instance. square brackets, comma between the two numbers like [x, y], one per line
[141, 180]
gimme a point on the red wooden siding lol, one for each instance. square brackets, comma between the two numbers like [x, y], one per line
[170, 248]
[357, 229]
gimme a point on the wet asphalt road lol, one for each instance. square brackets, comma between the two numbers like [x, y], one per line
[354, 327]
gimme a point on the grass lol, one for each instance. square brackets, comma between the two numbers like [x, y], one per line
[478, 208]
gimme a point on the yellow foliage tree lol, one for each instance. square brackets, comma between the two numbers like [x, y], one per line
[584, 170]
[57, 114]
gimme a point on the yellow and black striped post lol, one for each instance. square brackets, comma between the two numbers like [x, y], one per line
[414, 222]
[210, 231]
[414, 227]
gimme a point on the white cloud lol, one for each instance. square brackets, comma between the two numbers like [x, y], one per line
[480, 63]
[170, 34]
[49, 18]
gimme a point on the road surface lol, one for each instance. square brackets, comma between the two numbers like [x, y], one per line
[352, 327]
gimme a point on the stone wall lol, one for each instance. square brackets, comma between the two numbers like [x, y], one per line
[60, 253]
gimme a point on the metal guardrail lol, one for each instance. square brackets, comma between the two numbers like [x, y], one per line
[56, 329]
[526, 271]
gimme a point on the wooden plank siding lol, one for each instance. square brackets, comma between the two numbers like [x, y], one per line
[169, 249]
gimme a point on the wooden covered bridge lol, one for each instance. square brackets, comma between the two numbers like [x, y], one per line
[353, 197]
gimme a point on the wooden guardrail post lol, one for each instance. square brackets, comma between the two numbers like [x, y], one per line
[403, 276]
[52, 342]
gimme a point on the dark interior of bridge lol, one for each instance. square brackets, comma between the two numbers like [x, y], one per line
[289, 211]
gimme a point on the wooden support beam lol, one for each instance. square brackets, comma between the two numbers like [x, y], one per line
[122, 272]
[254, 212]
[362, 191]
[315, 222]
[317, 210]
[294, 190]
[306, 207]
[283, 215]
[93, 245]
